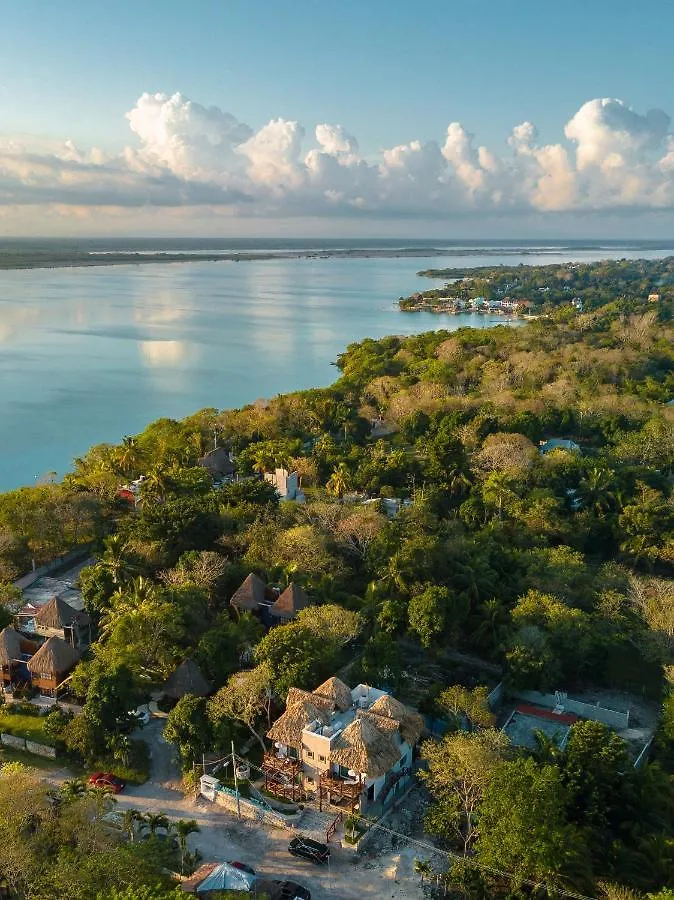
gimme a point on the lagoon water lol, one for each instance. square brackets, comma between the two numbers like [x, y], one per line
[91, 354]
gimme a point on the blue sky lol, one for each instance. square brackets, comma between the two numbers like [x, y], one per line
[389, 72]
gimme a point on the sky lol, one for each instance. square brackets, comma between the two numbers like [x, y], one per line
[260, 117]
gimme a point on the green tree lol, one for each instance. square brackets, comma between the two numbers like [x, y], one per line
[467, 706]
[459, 769]
[245, 698]
[427, 614]
[189, 727]
[523, 830]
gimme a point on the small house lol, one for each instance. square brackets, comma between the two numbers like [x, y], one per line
[254, 596]
[288, 604]
[218, 463]
[51, 665]
[187, 679]
[559, 444]
[15, 651]
[59, 619]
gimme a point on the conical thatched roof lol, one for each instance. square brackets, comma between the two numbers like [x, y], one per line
[290, 602]
[288, 728]
[362, 748]
[251, 594]
[10, 646]
[59, 614]
[55, 657]
[411, 723]
[334, 689]
[187, 679]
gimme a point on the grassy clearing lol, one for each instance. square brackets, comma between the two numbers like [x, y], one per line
[29, 727]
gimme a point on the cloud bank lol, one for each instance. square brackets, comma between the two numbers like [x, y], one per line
[182, 155]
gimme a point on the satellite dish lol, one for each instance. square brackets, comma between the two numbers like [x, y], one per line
[352, 773]
[277, 744]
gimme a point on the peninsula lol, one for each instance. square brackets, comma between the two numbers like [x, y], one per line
[533, 290]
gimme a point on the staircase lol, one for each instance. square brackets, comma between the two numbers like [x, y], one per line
[392, 780]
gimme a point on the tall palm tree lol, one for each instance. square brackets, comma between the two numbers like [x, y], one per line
[183, 828]
[115, 559]
[128, 455]
[155, 821]
[339, 482]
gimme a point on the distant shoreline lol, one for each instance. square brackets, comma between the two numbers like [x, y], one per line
[55, 260]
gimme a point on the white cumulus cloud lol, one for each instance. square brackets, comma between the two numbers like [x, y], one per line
[182, 154]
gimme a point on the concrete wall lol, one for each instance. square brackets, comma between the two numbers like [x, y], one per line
[254, 810]
[19, 743]
[61, 562]
[613, 717]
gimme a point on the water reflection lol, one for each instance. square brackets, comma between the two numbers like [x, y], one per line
[163, 354]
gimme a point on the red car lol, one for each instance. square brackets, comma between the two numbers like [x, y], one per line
[108, 781]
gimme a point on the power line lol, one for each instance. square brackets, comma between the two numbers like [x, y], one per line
[561, 892]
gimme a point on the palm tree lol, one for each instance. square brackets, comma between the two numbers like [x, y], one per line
[155, 821]
[597, 491]
[128, 455]
[73, 789]
[547, 751]
[423, 868]
[129, 819]
[115, 558]
[121, 746]
[155, 484]
[338, 483]
[492, 623]
[183, 828]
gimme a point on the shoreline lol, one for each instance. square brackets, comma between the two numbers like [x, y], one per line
[69, 260]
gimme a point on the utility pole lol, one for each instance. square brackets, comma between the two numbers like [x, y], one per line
[236, 784]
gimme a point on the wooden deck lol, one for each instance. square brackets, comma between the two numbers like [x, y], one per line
[339, 792]
[281, 776]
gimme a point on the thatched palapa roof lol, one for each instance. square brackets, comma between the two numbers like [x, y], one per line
[55, 657]
[288, 728]
[361, 747]
[10, 646]
[410, 722]
[335, 690]
[252, 593]
[187, 679]
[59, 614]
[290, 602]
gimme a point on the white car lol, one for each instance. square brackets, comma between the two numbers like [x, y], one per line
[143, 714]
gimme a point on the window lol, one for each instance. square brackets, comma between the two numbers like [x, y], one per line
[310, 780]
[291, 752]
[343, 771]
[309, 754]
[321, 758]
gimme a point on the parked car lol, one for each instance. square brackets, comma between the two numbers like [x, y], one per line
[108, 781]
[143, 714]
[279, 890]
[242, 866]
[314, 851]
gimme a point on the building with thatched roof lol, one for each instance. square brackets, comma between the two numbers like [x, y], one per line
[57, 618]
[335, 690]
[253, 596]
[187, 679]
[218, 463]
[51, 665]
[349, 747]
[10, 653]
[289, 603]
